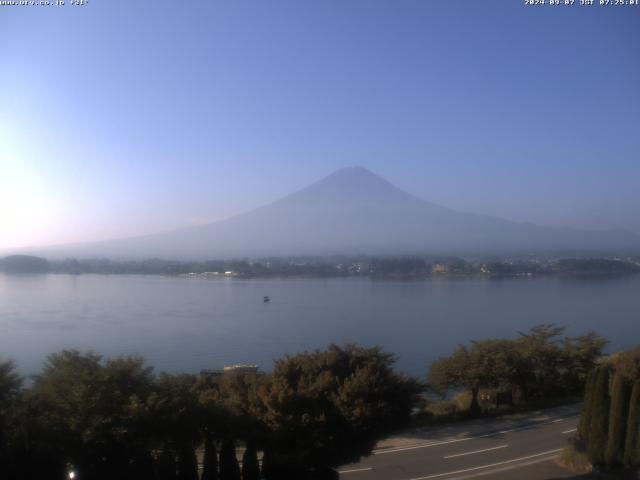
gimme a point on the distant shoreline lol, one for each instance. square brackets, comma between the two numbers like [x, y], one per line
[388, 268]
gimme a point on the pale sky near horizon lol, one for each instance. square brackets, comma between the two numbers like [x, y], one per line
[122, 118]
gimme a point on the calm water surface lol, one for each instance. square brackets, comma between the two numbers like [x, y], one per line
[186, 324]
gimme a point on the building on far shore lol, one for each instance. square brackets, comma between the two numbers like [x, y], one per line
[439, 268]
[228, 370]
[240, 368]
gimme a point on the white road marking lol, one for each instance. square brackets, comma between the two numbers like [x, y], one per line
[502, 468]
[425, 445]
[569, 431]
[436, 475]
[477, 451]
[466, 439]
[356, 470]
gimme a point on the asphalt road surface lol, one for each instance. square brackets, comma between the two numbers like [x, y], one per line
[521, 449]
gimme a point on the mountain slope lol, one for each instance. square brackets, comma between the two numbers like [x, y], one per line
[355, 211]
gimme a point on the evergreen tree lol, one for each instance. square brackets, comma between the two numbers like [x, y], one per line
[268, 471]
[585, 418]
[187, 463]
[632, 443]
[325, 474]
[210, 461]
[166, 466]
[250, 466]
[599, 428]
[618, 415]
[229, 468]
[142, 466]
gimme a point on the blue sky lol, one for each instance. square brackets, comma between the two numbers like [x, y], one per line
[121, 118]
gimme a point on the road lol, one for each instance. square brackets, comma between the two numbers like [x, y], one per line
[486, 448]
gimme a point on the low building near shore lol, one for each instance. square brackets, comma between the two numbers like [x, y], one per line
[213, 373]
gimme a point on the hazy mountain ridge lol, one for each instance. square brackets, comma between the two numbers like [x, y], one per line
[355, 211]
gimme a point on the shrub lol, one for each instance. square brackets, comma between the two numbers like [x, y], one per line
[574, 459]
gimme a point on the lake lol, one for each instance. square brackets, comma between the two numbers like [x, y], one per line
[186, 324]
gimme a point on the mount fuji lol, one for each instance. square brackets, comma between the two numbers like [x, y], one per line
[354, 211]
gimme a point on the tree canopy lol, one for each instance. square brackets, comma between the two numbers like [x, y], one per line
[115, 418]
[538, 363]
[325, 408]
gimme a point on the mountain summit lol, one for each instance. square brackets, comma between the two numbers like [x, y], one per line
[355, 211]
[353, 187]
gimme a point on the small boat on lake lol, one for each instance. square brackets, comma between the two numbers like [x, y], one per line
[266, 299]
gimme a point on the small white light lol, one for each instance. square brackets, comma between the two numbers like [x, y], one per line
[72, 475]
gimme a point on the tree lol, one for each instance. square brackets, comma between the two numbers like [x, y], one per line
[10, 388]
[402, 266]
[578, 358]
[83, 411]
[618, 415]
[599, 428]
[10, 384]
[587, 409]
[187, 463]
[166, 465]
[632, 442]
[240, 401]
[210, 460]
[538, 371]
[143, 466]
[327, 408]
[537, 364]
[250, 465]
[269, 472]
[449, 372]
[172, 412]
[24, 264]
[487, 364]
[628, 363]
[229, 468]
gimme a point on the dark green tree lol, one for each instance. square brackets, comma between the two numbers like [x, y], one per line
[578, 357]
[324, 474]
[166, 465]
[618, 415]
[10, 388]
[487, 364]
[269, 472]
[538, 364]
[142, 466]
[632, 442]
[187, 463]
[599, 428]
[242, 405]
[628, 363]
[210, 460]
[173, 412]
[83, 411]
[327, 408]
[539, 361]
[229, 468]
[250, 465]
[447, 373]
[587, 407]
[10, 385]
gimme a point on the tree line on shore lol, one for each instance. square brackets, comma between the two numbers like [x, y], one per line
[115, 418]
[360, 265]
[609, 428]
